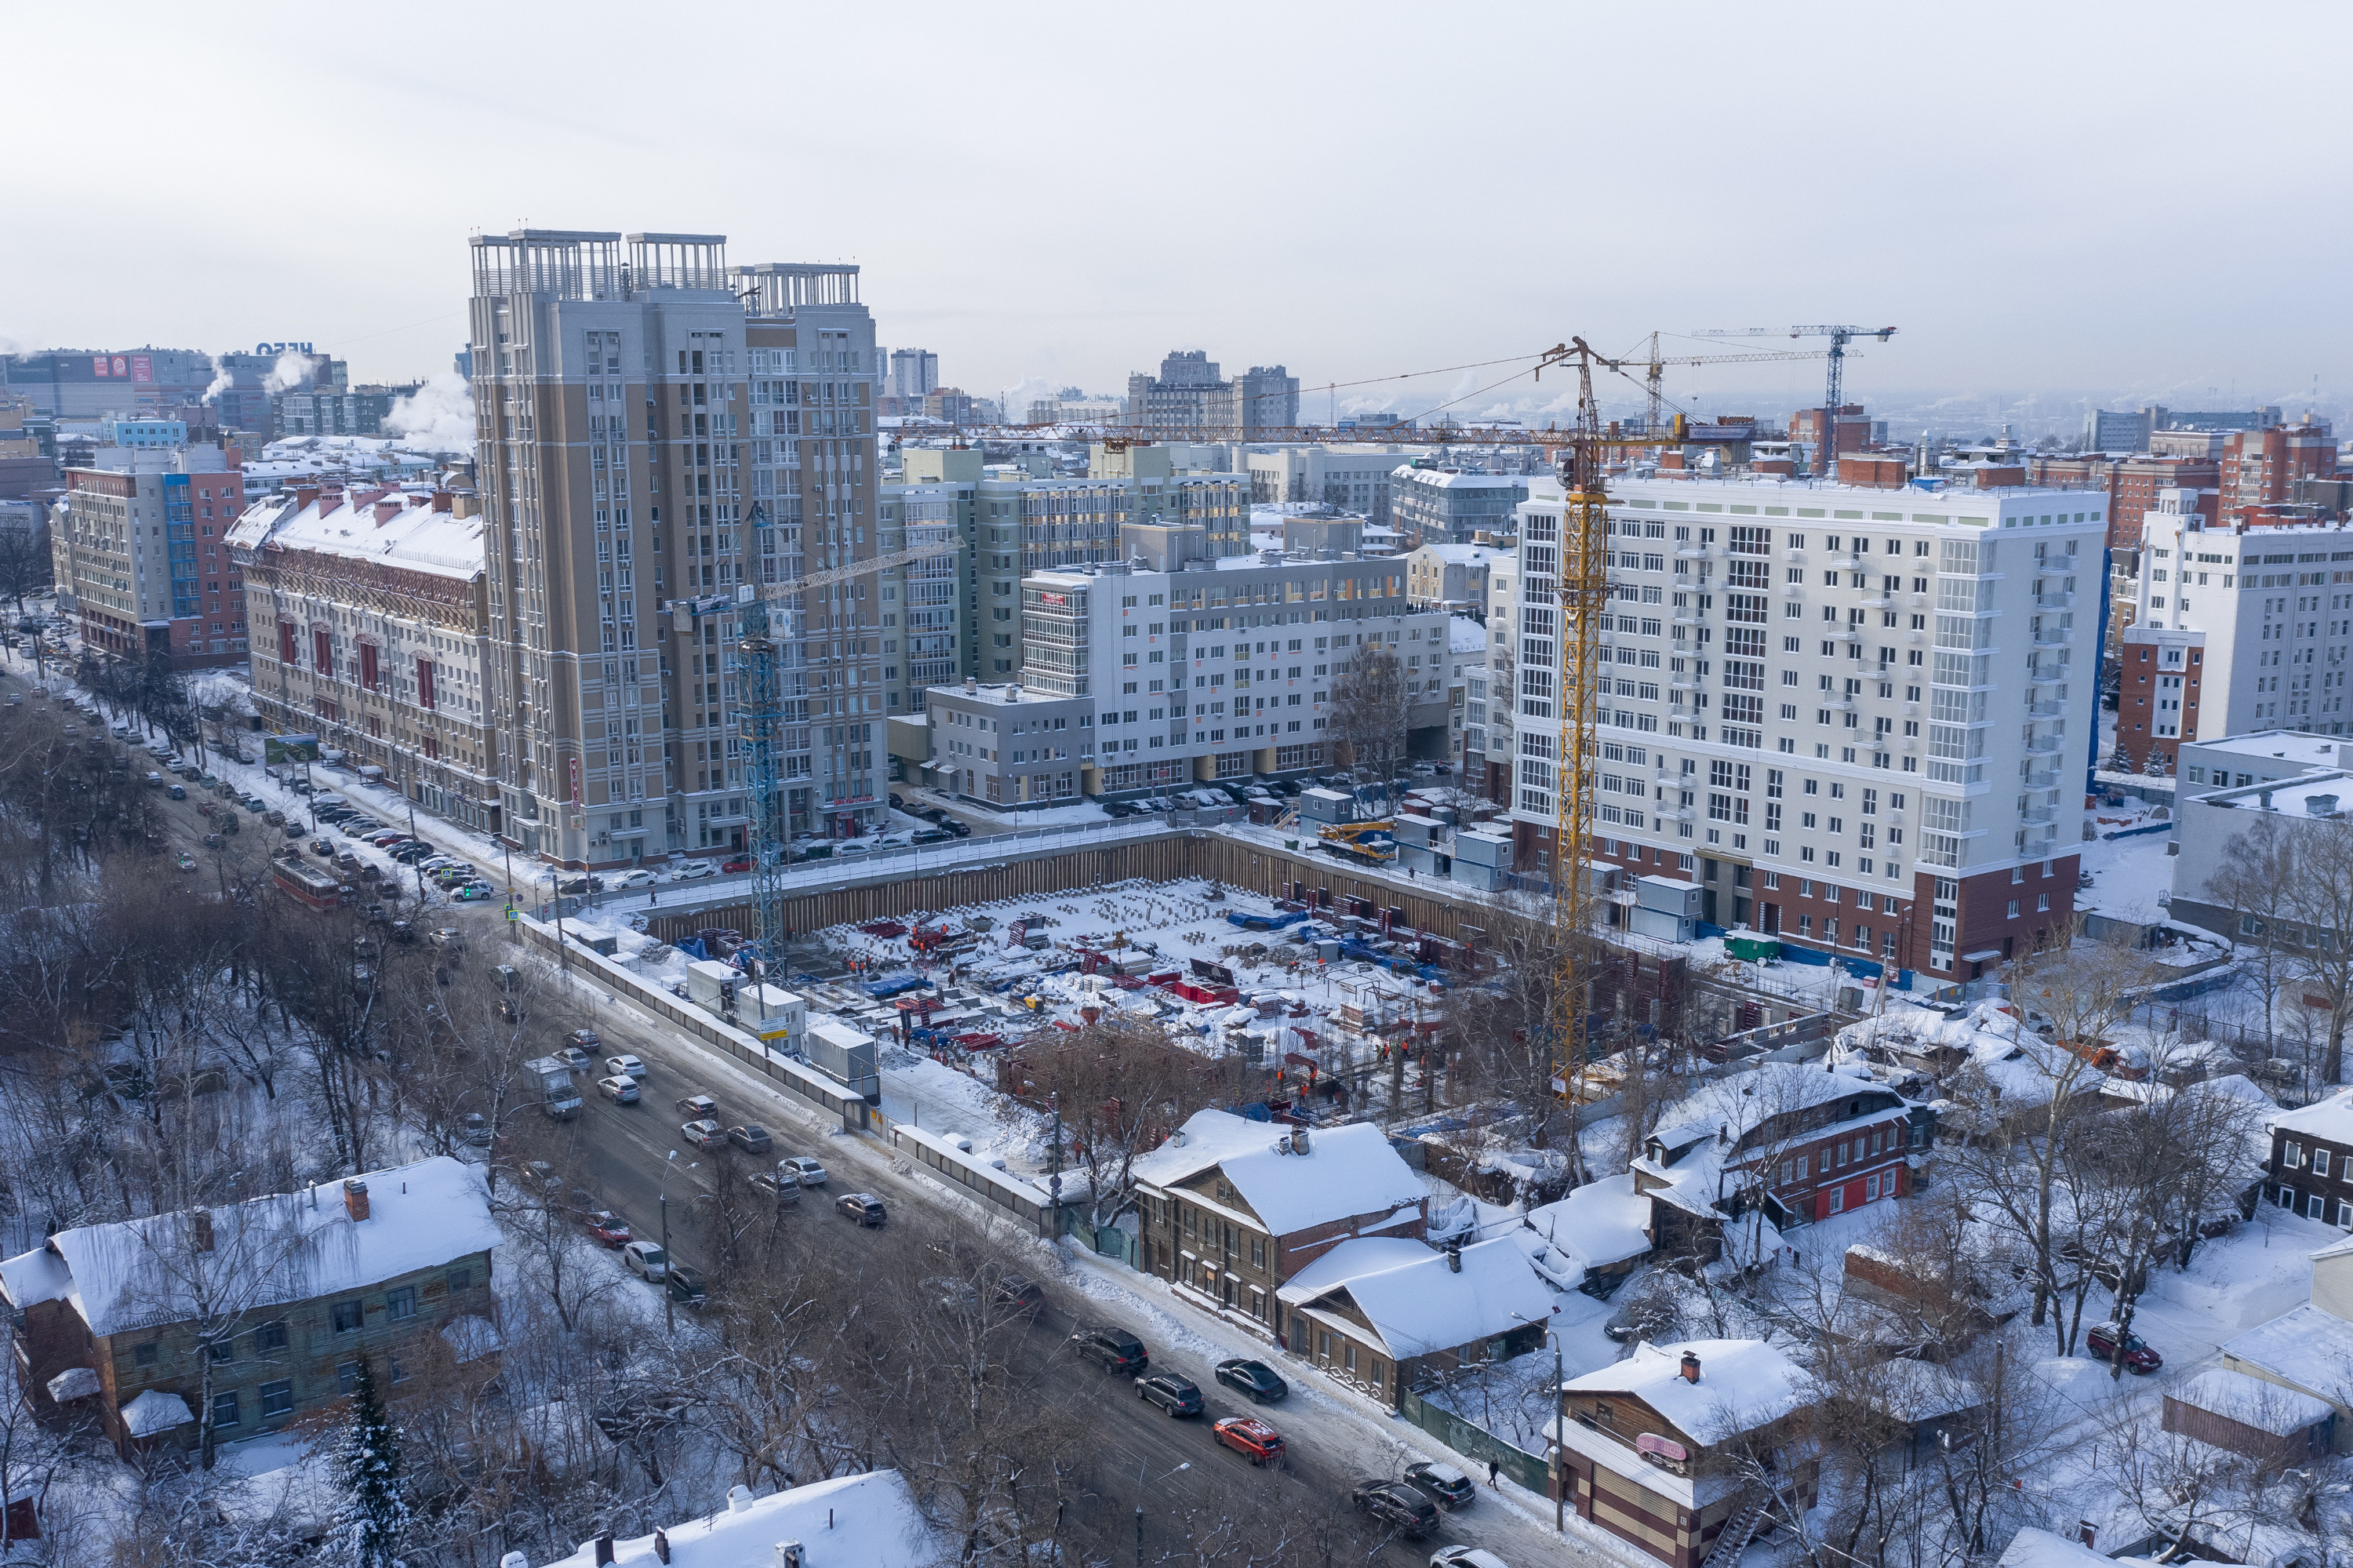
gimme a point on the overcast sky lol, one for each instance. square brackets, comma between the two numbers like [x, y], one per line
[2051, 201]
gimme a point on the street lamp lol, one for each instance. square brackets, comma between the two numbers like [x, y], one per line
[1559, 1433]
[1141, 1487]
[661, 1199]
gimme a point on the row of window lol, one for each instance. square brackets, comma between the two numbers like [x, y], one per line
[277, 1398]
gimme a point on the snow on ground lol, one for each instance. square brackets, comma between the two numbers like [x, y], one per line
[2128, 875]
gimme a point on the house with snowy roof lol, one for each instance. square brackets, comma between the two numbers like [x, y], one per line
[1795, 1143]
[256, 1312]
[1663, 1449]
[1231, 1209]
[2311, 1165]
[866, 1520]
[2309, 1350]
[1382, 1312]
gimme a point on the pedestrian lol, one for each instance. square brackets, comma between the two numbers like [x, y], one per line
[651, 896]
[1492, 1469]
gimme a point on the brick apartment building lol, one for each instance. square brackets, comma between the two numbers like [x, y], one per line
[2260, 468]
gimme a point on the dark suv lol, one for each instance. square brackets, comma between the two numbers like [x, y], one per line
[1395, 1503]
[1113, 1350]
[1177, 1396]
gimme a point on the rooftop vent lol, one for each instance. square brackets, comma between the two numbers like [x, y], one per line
[1690, 1367]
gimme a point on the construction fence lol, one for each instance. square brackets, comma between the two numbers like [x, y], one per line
[1476, 1442]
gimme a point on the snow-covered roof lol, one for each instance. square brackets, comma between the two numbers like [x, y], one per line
[155, 1411]
[1465, 555]
[2251, 1402]
[1418, 1304]
[866, 1520]
[133, 1274]
[362, 525]
[2032, 1548]
[74, 1382]
[2307, 1347]
[1743, 1385]
[1465, 635]
[2330, 1120]
[1602, 1222]
[1347, 1170]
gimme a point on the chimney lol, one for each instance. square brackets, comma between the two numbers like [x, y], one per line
[1298, 1140]
[355, 1199]
[604, 1544]
[200, 1223]
[739, 1500]
[305, 494]
[1690, 1367]
[1454, 1254]
[661, 1546]
[789, 1555]
[385, 511]
[515, 1560]
[441, 500]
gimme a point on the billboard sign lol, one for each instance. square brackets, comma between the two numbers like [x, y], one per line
[277, 748]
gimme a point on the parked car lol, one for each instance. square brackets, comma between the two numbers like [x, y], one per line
[619, 1088]
[1397, 1504]
[751, 1138]
[474, 1128]
[693, 870]
[540, 1175]
[1255, 1379]
[809, 1171]
[1177, 1396]
[1449, 1486]
[2138, 1356]
[704, 1133]
[1461, 1556]
[702, 1108]
[852, 847]
[685, 1285]
[931, 836]
[630, 881]
[1251, 1438]
[606, 1226]
[863, 1207]
[177, 791]
[646, 1261]
[778, 1185]
[959, 829]
[896, 803]
[1113, 1350]
[625, 1065]
[579, 885]
[738, 863]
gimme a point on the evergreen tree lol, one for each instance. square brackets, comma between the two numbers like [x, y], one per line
[376, 1507]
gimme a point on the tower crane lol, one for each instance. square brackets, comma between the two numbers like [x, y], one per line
[1839, 337]
[1655, 365]
[761, 719]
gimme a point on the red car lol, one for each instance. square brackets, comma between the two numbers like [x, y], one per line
[2138, 1356]
[741, 862]
[606, 1226]
[1251, 1438]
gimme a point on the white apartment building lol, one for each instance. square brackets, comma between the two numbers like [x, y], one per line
[1856, 719]
[1351, 476]
[1493, 704]
[1139, 680]
[2236, 628]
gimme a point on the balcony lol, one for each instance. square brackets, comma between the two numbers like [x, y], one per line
[2041, 780]
[2054, 601]
[1918, 600]
[2053, 636]
[1686, 617]
[1688, 551]
[1845, 562]
[1794, 590]
[1843, 704]
[1794, 556]
[2036, 816]
[1849, 633]
[1878, 601]
[1683, 683]
[2044, 710]
[2044, 746]
[2046, 675]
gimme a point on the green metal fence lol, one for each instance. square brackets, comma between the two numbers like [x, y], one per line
[1473, 1442]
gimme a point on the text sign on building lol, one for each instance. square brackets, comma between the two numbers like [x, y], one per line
[576, 780]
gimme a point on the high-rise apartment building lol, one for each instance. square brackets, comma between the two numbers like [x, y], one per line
[656, 431]
[1189, 394]
[2236, 629]
[1442, 507]
[1853, 718]
[141, 554]
[913, 372]
[2106, 430]
[2261, 467]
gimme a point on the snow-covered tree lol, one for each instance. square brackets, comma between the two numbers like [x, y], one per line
[374, 1515]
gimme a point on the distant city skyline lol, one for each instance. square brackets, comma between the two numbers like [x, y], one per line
[1339, 204]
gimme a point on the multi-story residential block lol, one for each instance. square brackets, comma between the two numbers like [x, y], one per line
[914, 373]
[1490, 724]
[1352, 477]
[655, 430]
[2261, 467]
[1136, 678]
[1232, 1211]
[2165, 418]
[87, 383]
[2106, 430]
[2207, 890]
[2235, 629]
[1850, 716]
[268, 1305]
[2312, 1160]
[357, 411]
[142, 559]
[1453, 578]
[25, 466]
[371, 622]
[1189, 394]
[1442, 506]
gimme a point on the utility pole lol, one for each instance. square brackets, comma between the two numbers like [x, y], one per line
[661, 1198]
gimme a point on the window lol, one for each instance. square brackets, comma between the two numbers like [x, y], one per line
[2320, 1162]
[222, 1351]
[145, 1354]
[348, 1317]
[1348, 1358]
[347, 1375]
[400, 1305]
[2315, 1207]
[277, 1398]
[1837, 1200]
[460, 1279]
[224, 1411]
[270, 1337]
[398, 1374]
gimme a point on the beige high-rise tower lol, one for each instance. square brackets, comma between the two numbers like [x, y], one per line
[655, 427]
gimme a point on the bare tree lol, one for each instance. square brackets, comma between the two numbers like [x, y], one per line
[1368, 711]
[2308, 914]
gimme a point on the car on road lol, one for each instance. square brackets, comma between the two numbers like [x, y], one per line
[685, 1285]
[1394, 1503]
[473, 892]
[574, 1058]
[631, 881]
[474, 1128]
[1020, 1296]
[620, 1088]
[582, 1039]
[1450, 1487]
[646, 1261]
[864, 1207]
[321, 847]
[1113, 1350]
[2139, 1355]
[751, 1138]
[1177, 1396]
[702, 1108]
[447, 937]
[579, 885]
[852, 847]
[177, 792]
[1460, 1556]
[956, 829]
[931, 836]
[1251, 1439]
[899, 840]
[809, 1172]
[625, 1065]
[539, 1174]
[693, 870]
[606, 1226]
[739, 863]
[703, 1133]
[1255, 1379]
[783, 1189]
[896, 803]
